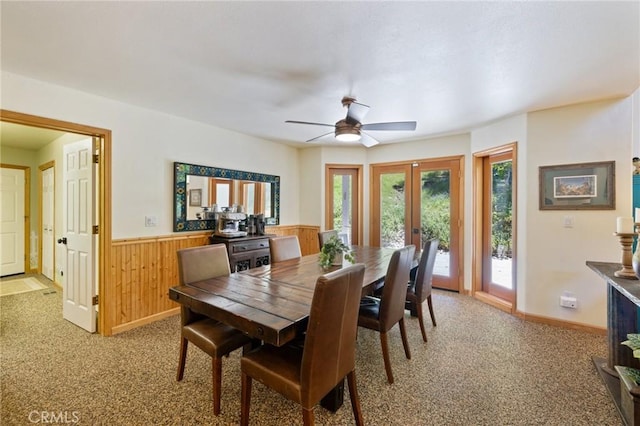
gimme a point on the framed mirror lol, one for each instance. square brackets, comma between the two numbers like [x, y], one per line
[199, 191]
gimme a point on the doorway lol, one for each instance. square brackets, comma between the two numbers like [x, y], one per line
[14, 219]
[415, 201]
[103, 193]
[494, 272]
[343, 200]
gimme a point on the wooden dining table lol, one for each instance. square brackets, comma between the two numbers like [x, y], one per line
[272, 303]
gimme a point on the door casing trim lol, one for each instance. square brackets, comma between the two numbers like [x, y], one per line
[104, 197]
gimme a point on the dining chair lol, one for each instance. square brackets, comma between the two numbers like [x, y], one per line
[419, 289]
[284, 248]
[213, 337]
[306, 374]
[324, 236]
[381, 314]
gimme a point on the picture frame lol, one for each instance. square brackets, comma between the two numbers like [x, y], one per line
[580, 186]
[195, 197]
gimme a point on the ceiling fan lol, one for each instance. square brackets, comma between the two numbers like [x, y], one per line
[351, 128]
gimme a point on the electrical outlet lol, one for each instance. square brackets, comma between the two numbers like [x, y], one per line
[568, 302]
[568, 222]
[150, 221]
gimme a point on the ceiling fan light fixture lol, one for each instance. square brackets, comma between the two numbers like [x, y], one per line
[346, 132]
[351, 135]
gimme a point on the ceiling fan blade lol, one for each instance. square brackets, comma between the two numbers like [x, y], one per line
[307, 122]
[368, 140]
[395, 125]
[320, 137]
[356, 112]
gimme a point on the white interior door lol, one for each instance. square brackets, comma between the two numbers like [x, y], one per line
[12, 221]
[47, 230]
[78, 286]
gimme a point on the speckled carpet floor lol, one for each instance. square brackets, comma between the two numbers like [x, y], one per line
[480, 367]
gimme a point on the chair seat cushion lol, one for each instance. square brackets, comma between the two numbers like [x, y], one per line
[369, 313]
[213, 337]
[276, 367]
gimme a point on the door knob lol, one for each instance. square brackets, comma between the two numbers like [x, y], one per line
[62, 240]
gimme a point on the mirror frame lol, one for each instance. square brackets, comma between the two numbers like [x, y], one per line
[180, 172]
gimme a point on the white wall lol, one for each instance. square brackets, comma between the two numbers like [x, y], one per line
[635, 119]
[310, 184]
[556, 256]
[146, 143]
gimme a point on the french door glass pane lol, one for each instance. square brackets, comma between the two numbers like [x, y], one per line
[501, 230]
[435, 214]
[392, 210]
[342, 208]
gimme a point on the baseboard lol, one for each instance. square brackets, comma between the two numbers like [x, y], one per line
[508, 308]
[146, 320]
[561, 323]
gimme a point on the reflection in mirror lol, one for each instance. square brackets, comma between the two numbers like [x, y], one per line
[207, 194]
[200, 191]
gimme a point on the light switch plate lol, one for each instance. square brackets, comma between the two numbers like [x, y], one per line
[150, 221]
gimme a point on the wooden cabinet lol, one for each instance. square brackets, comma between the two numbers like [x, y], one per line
[245, 252]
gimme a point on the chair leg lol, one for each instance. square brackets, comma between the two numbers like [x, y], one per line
[307, 417]
[405, 342]
[216, 373]
[385, 356]
[182, 357]
[355, 399]
[245, 399]
[433, 317]
[421, 321]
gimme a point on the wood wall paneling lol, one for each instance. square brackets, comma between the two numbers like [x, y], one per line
[143, 270]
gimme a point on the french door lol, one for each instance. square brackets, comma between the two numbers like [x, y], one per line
[497, 226]
[414, 202]
[343, 200]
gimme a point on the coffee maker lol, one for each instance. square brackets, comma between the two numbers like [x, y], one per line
[255, 224]
[229, 225]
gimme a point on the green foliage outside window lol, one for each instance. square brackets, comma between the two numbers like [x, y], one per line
[436, 204]
[501, 202]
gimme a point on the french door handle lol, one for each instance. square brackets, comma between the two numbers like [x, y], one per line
[62, 240]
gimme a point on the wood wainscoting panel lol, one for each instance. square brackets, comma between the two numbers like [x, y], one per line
[307, 234]
[143, 269]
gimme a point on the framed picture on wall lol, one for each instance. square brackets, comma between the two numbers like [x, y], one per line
[195, 197]
[585, 186]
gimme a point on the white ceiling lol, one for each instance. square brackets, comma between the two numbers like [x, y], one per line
[249, 66]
